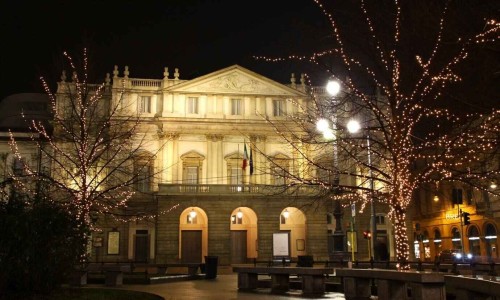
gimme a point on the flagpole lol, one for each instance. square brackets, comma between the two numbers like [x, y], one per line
[238, 173]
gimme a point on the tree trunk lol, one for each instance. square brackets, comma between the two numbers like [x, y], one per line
[401, 235]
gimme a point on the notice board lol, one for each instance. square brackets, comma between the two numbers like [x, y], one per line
[281, 244]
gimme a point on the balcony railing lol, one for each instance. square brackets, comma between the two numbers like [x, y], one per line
[213, 189]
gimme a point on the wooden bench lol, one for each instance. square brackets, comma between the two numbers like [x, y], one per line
[313, 279]
[191, 267]
[392, 284]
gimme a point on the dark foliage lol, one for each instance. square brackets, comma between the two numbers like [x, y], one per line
[40, 243]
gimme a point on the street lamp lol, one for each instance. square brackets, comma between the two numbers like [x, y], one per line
[323, 126]
[353, 126]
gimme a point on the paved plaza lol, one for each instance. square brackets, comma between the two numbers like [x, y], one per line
[223, 287]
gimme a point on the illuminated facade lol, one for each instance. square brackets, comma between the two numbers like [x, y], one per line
[439, 225]
[219, 170]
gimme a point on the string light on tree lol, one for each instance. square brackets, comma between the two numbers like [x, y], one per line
[407, 87]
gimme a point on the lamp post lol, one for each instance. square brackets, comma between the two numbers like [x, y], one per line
[353, 126]
[333, 88]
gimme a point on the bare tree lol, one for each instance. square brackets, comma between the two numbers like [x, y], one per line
[96, 154]
[399, 64]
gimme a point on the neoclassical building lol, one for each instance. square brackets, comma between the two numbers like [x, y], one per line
[201, 131]
[220, 187]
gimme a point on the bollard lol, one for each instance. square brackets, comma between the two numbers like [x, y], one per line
[371, 262]
[419, 265]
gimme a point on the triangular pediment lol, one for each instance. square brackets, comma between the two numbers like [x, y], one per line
[235, 80]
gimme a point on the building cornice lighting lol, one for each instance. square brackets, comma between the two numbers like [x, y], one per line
[437, 240]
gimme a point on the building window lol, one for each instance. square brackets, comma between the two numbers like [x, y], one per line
[236, 175]
[192, 163]
[18, 167]
[192, 105]
[380, 219]
[144, 172]
[279, 108]
[145, 104]
[280, 169]
[236, 107]
[191, 175]
[279, 176]
[327, 175]
[456, 196]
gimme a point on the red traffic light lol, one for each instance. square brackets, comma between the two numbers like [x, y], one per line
[367, 234]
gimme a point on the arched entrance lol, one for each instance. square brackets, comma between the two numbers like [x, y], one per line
[474, 245]
[437, 242]
[426, 246]
[456, 241]
[243, 226]
[293, 220]
[385, 241]
[490, 236]
[193, 235]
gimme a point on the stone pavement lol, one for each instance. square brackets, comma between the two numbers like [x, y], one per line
[224, 287]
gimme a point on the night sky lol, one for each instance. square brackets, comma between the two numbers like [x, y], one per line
[202, 36]
[196, 36]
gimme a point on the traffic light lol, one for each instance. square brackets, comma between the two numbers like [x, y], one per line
[367, 234]
[466, 217]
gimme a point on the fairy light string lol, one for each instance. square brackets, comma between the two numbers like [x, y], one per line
[451, 155]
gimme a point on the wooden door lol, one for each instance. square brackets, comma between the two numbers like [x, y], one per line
[141, 246]
[238, 246]
[191, 246]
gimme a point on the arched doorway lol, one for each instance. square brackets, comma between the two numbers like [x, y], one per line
[474, 245]
[437, 242]
[490, 236]
[243, 226]
[384, 243]
[456, 241]
[426, 246]
[193, 235]
[293, 220]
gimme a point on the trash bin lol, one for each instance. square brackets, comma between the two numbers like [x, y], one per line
[305, 261]
[211, 263]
